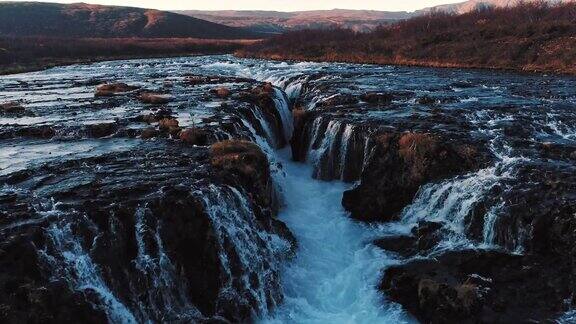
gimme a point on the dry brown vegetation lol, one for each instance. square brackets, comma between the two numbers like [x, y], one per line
[23, 19]
[529, 37]
[32, 53]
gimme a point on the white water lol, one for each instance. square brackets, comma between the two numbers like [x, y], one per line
[75, 265]
[167, 298]
[334, 276]
[259, 252]
[283, 108]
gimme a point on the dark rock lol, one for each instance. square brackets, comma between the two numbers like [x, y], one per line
[425, 236]
[154, 98]
[221, 92]
[243, 162]
[148, 133]
[36, 132]
[339, 100]
[112, 89]
[194, 136]
[166, 124]
[427, 100]
[479, 287]
[403, 245]
[399, 165]
[11, 108]
[102, 130]
[301, 136]
[377, 98]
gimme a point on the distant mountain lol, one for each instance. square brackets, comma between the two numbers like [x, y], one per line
[464, 7]
[19, 19]
[278, 22]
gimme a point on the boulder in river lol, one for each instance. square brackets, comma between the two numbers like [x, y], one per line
[221, 92]
[400, 164]
[112, 89]
[194, 136]
[154, 98]
[148, 133]
[102, 130]
[377, 98]
[11, 107]
[168, 123]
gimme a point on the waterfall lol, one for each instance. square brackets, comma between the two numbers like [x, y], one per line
[329, 149]
[489, 230]
[283, 108]
[249, 254]
[265, 126]
[70, 261]
[335, 275]
[167, 296]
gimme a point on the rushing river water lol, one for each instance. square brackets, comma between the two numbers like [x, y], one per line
[334, 275]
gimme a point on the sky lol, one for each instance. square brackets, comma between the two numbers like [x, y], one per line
[277, 5]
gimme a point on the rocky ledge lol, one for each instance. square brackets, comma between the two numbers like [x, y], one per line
[484, 191]
[156, 215]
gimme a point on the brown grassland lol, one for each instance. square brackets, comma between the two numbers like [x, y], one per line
[530, 37]
[20, 54]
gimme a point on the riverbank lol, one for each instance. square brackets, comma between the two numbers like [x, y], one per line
[28, 54]
[399, 61]
[528, 38]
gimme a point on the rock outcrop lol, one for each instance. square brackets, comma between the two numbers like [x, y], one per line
[480, 287]
[112, 89]
[485, 191]
[399, 165]
[102, 224]
[154, 98]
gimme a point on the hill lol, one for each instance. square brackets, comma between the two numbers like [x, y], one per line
[24, 19]
[278, 22]
[471, 5]
[530, 37]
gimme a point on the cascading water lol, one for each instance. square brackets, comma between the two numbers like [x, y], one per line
[249, 254]
[70, 261]
[452, 201]
[265, 125]
[165, 297]
[283, 108]
[330, 150]
[335, 274]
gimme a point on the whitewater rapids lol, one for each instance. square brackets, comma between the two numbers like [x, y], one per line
[334, 277]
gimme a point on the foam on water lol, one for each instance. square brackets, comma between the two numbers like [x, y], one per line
[334, 276]
[167, 298]
[75, 265]
[257, 251]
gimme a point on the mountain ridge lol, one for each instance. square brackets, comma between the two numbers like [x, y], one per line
[470, 5]
[278, 21]
[18, 19]
[357, 20]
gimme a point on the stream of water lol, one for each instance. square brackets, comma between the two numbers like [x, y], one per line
[335, 274]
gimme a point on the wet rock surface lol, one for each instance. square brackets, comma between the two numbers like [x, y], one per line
[132, 207]
[400, 164]
[474, 286]
[476, 177]
[469, 174]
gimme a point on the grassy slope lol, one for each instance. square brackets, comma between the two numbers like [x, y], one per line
[24, 54]
[531, 37]
[23, 19]
[38, 35]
